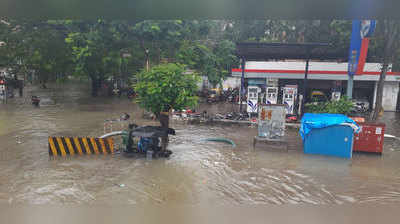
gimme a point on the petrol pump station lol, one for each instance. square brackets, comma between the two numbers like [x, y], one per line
[289, 97]
[271, 95]
[252, 98]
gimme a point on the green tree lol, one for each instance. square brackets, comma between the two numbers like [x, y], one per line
[226, 58]
[35, 45]
[213, 62]
[200, 58]
[97, 49]
[166, 87]
[388, 34]
[158, 37]
[47, 52]
[14, 47]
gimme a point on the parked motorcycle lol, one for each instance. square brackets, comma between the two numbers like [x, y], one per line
[360, 105]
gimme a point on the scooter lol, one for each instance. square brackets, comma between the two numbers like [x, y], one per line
[35, 100]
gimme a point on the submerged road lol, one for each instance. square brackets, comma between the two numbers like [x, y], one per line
[198, 172]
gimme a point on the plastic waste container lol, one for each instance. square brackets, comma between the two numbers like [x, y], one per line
[370, 138]
[328, 134]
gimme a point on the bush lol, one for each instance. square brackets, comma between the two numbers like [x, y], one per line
[342, 106]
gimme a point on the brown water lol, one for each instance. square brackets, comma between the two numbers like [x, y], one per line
[197, 172]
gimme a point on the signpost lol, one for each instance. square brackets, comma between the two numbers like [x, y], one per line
[361, 31]
[242, 89]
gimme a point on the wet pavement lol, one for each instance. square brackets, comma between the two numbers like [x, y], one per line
[198, 172]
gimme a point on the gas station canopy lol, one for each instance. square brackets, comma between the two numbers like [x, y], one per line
[281, 51]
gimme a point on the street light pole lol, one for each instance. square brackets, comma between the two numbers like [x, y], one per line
[241, 92]
[304, 98]
[147, 60]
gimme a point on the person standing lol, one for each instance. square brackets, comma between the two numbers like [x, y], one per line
[21, 87]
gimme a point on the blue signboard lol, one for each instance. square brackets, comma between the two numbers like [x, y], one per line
[367, 28]
[360, 29]
[355, 47]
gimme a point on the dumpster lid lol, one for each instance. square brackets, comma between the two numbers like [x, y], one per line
[313, 121]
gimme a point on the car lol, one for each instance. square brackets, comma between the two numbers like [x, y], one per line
[213, 96]
[318, 97]
[361, 105]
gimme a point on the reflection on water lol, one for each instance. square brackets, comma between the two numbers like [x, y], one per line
[198, 172]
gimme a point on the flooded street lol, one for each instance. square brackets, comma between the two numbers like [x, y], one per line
[198, 172]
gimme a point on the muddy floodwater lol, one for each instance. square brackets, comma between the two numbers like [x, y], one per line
[197, 172]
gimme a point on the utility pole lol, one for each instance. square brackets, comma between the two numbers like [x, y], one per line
[147, 60]
[304, 98]
[242, 91]
[350, 82]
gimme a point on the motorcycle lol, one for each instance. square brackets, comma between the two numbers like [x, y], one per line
[35, 100]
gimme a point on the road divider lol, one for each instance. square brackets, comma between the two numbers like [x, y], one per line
[63, 146]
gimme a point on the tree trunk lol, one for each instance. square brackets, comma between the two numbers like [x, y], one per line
[391, 31]
[159, 54]
[164, 121]
[379, 92]
[146, 53]
[95, 87]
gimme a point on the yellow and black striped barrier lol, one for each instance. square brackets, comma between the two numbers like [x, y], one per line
[63, 146]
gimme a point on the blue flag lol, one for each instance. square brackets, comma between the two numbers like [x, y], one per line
[355, 46]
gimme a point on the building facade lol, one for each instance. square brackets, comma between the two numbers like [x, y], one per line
[323, 76]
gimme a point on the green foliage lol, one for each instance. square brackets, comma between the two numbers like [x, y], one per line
[225, 56]
[215, 63]
[342, 106]
[35, 46]
[332, 31]
[56, 48]
[98, 50]
[166, 87]
[94, 49]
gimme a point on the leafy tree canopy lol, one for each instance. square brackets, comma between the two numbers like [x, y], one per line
[215, 62]
[166, 87]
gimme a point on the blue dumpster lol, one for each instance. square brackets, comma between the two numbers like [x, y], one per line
[328, 134]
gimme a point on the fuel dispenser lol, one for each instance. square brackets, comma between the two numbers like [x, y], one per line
[252, 99]
[272, 95]
[289, 97]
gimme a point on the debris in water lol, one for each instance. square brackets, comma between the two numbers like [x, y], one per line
[225, 140]
[18, 139]
[391, 136]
